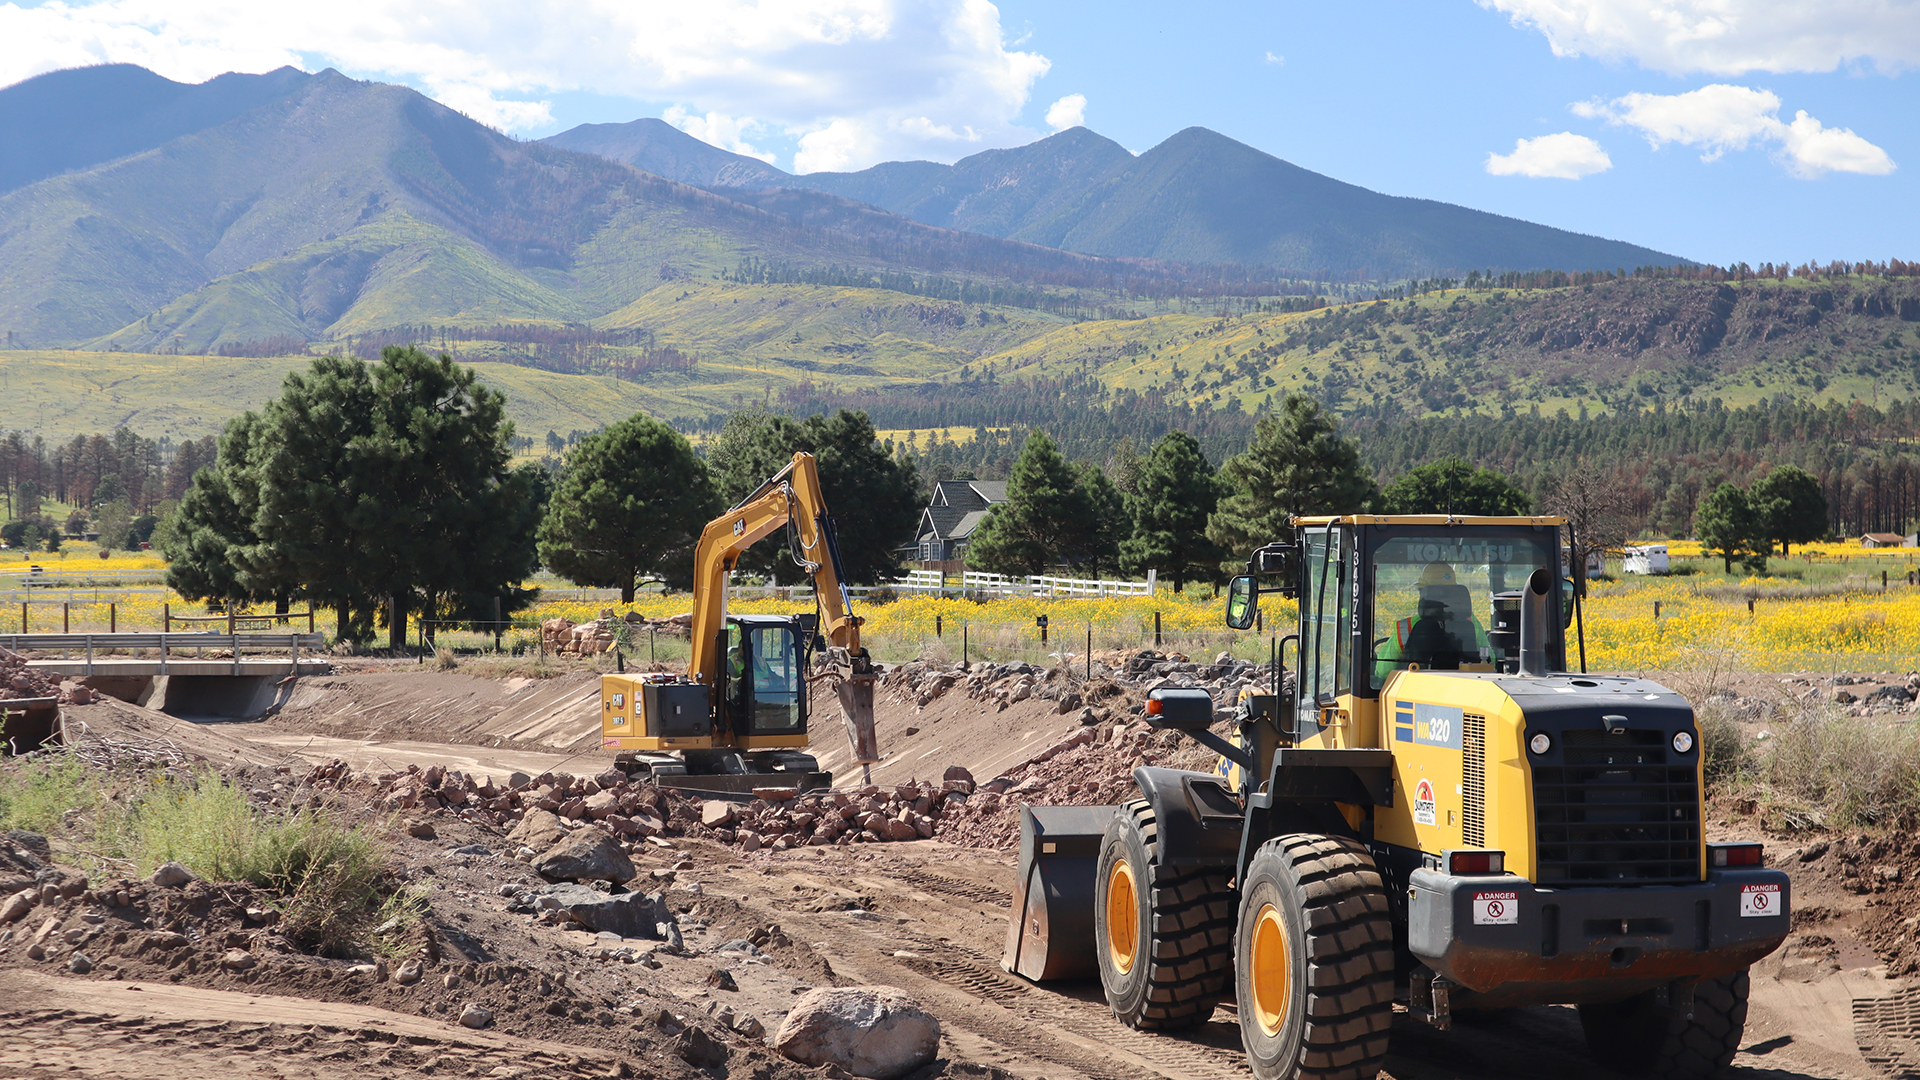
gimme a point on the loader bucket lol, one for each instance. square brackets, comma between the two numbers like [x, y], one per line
[1051, 932]
[856, 700]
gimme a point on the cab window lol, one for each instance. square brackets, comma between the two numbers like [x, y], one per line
[776, 675]
[1433, 597]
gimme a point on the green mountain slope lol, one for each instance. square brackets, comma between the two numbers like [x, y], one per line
[691, 351]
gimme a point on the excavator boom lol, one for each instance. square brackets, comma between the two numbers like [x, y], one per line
[792, 499]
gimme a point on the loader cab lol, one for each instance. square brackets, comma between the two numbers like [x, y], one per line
[1381, 595]
[764, 693]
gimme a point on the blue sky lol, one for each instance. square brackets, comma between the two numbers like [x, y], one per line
[1670, 123]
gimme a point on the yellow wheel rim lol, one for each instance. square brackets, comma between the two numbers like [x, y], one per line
[1123, 917]
[1272, 970]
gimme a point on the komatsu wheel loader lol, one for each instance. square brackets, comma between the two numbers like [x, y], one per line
[1433, 811]
[737, 719]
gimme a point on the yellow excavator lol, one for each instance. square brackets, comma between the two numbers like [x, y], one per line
[1436, 811]
[737, 718]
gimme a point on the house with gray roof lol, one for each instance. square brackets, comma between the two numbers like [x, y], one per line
[956, 509]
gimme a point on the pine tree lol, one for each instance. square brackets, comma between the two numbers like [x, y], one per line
[1452, 486]
[629, 506]
[1789, 507]
[1043, 520]
[1727, 525]
[1175, 494]
[1107, 522]
[1296, 464]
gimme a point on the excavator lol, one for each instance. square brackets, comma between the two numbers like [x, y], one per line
[1434, 811]
[737, 718]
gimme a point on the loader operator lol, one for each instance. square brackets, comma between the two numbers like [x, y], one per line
[1440, 634]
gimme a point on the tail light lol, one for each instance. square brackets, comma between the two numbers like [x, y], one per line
[1721, 856]
[1154, 706]
[1476, 862]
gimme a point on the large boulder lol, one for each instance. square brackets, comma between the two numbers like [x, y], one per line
[629, 914]
[587, 855]
[872, 1031]
[539, 830]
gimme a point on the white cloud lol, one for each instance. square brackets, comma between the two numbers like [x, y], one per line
[1272, 58]
[854, 81]
[1728, 37]
[1720, 118]
[1564, 156]
[1069, 111]
[717, 129]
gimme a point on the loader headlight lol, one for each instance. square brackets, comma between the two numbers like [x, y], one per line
[1682, 741]
[1540, 743]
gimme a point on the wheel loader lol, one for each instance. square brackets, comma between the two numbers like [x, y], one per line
[1430, 809]
[737, 719]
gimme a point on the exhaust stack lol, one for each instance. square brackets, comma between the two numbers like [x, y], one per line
[1533, 623]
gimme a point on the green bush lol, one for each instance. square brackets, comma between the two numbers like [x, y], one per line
[327, 874]
[39, 796]
[1845, 771]
[1723, 746]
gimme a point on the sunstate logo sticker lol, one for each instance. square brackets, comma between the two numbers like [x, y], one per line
[1423, 802]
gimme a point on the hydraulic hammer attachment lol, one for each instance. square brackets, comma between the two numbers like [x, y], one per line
[856, 701]
[1051, 935]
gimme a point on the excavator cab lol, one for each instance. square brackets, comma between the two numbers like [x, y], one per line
[766, 691]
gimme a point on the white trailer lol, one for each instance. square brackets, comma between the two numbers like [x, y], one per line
[1646, 559]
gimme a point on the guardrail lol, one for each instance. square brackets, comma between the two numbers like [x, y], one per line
[92, 644]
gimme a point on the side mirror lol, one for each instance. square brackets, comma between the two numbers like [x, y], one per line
[1279, 561]
[1183, 709]
[1243, 600]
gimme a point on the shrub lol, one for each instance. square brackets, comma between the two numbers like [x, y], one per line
[39, 796]
[1847, 771]
[1723, 746]
[327, 875]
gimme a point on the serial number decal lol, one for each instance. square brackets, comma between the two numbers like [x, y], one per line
[1423, 802]
[1758, 901]
[1496, 908]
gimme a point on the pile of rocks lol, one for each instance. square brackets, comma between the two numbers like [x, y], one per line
[1118, 681]
[1899, 694]
[585, 639]
[782, 819]
[17, 680]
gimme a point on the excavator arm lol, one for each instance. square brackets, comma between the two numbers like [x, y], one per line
[791, 498]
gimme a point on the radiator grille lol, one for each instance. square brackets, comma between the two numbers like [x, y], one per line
[1614, 810]
[1473, 795]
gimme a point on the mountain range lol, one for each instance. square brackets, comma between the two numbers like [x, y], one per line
[1198, 197]
[137, 213]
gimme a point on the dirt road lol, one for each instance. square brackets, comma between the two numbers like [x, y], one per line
[923, 916]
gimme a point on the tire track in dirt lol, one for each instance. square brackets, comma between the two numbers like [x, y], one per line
[112, 1046]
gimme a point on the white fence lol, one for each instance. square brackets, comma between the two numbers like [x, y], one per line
[55, 576]
[970, 583]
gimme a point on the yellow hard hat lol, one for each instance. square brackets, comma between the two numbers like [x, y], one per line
[1437, 573]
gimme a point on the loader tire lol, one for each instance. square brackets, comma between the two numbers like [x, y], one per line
[1313, 960]
[1641, 1037]
[1164, 935]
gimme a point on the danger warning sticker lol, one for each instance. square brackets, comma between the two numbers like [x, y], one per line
[610, 742]
[1423, 802]
[1496, 908]
[1757, 901]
